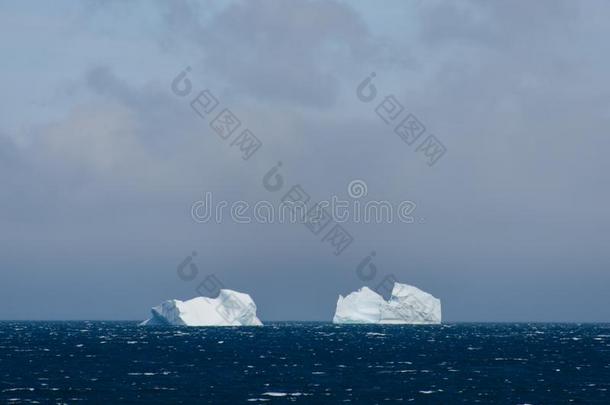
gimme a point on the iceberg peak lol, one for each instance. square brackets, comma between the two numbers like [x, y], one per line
[407, 305]
[230, 308]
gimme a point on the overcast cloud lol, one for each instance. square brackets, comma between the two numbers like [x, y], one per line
[100, 162]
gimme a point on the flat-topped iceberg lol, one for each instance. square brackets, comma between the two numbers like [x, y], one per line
[230, 308]
[407, 305]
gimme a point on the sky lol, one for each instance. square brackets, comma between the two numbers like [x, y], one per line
[101, 160]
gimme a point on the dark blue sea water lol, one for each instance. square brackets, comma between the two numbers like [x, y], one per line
[119, 362]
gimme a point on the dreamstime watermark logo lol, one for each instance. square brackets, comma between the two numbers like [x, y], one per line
[317, 219]
[290, 211]
[357, 189]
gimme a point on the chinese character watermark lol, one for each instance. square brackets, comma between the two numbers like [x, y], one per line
[409, 128]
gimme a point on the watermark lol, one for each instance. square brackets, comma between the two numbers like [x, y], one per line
[316, 216]
[406, 126]
[230, 307]
[357, 189]
[292, 208]
[225, 123]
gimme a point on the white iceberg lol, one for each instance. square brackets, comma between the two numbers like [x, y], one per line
[230, 308]
[407, 305]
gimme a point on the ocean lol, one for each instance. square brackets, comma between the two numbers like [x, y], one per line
[309, 363]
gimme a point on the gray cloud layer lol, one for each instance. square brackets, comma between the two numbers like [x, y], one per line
[98, 179]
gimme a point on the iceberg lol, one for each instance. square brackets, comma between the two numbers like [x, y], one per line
[230, 308]
[407, 305]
